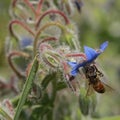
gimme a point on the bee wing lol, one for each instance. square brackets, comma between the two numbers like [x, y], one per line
[107, 86]
[104, 79]
[110, 89]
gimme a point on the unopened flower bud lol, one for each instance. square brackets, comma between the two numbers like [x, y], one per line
[51, 58]
[84, 103]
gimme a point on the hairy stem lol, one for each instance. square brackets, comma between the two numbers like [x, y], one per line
[53, 12]
[49, 39]
[76, 55]
[30, 5]
[10, 56]
[42, 29]
[20, 24]
[38, 10]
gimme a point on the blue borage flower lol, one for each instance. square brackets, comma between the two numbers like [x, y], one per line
[91, 55]
[26, 41]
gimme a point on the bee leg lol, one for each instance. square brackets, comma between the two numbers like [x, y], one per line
[88, 89]
[68, 81]
[100, 74]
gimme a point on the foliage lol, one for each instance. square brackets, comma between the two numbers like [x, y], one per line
[41, 46]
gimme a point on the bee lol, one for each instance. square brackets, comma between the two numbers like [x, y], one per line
[94, 79]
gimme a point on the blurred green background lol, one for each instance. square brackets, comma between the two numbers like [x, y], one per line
[4, 20]
[99, 21]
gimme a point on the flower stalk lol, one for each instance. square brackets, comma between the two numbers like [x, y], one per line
[42, 29]
[53, 12]
[21, 24]
[10, 57]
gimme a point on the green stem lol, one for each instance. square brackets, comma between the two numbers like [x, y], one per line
[53, 96]
[54, 91]
[26, 88]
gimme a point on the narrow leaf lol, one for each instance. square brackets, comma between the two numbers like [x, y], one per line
[4, 114]
[26, 88]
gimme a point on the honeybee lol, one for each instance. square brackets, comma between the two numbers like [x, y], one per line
[94, 79]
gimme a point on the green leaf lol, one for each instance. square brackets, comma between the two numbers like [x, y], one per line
[15, 100]
[47, 79]
[4, 114]
[84, 103]
[26, 88]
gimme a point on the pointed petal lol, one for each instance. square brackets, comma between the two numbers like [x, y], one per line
[75, 69]
[81, 64]
[104, 46]
[72, 64]
[74, 72]
[91, 54]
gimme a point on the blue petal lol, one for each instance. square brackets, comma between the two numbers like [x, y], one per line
[26, 41]
[74, 72]
[81, 64]
[103, 46]
[91, 54]
[72, 64]
[75, 69]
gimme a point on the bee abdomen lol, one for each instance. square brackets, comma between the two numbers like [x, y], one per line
[99, 88]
